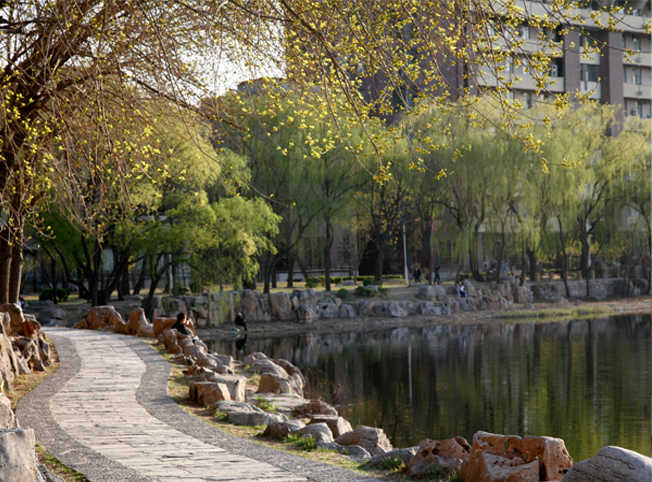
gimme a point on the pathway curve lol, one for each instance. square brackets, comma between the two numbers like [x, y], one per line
[106, 414]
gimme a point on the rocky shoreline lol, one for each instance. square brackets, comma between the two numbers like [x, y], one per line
[264, 391]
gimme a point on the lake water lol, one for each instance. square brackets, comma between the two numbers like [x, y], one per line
[588, 382]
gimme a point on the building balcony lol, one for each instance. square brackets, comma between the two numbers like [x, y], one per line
[527, 83]
[637, 92]
[641, 59]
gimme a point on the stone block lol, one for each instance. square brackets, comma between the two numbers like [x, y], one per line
[371, 439]
[612, 464]
[17, 460]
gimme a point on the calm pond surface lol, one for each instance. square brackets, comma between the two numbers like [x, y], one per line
[588, 382]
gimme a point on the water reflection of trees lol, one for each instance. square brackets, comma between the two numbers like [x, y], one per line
[588, 382]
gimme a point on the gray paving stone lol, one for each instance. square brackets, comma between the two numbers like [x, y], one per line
[106, 413]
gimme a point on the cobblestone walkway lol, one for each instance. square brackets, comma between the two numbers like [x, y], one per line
[106, 414]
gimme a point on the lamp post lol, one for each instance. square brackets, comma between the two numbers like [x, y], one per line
[405, 266]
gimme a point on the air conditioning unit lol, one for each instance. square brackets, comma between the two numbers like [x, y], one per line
[640, 92]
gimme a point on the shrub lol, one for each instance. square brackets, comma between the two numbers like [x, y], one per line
[366, 292]
[60, 294]
[383, 291]
[310, 284]
[221, 416]
[342, 293]
[367, 281]
[337, 280]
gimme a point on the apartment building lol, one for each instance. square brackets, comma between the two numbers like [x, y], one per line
[620, 74]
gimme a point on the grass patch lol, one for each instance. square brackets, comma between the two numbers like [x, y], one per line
[56, 467]
[266, 405]
[307, 443]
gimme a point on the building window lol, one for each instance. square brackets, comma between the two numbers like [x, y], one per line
[636, 77]
[624, 74]
[527, 100]
[589, 73]
[637, 43]
[638, 109]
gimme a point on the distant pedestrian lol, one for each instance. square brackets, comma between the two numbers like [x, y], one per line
[240, 321]
[417, 275]
[437, 280]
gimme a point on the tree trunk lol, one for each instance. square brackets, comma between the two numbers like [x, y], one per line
[564, 269]
[584, 254]
[267, 271]
[141, 278]
[327, 255]
[500, 253]
[290, 282]
[302, 267]
[522, 282]
[380, 260]
[473, 257]
[16, 270]
[155, 278]
[532, 258]
[5, 264]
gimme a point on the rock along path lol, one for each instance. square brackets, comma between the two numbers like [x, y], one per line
[106, 414]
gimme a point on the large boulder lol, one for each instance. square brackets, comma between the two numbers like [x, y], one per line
[347, 311]
[236, 385]
[448, 454]
[7, 416]
[307, 313]
[328, 310]
[498, 458]
[206, 393]
[393, 309]
[138, 324]
[283, 429]
[428, 308]
[372, 439]
[313, 407]
[337, 425]
[612, 464]
[51, 315]
[319, 431]
[160, 324]
[17, 461]
[431, 293]
[308, 297]
[240, 413]
[102, 317]
[281, 306]
[254, 307]
[16, 317]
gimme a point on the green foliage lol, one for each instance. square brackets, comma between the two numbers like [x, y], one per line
[60, 294]
[266, 405]
[342, 293]
[365, 292]
[310, 284]
[221, 416]
[383, 291]
[305, 442]
[367, 281]
[391, 463]
[53, 463]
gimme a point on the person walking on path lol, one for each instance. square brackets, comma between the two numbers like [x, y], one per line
[437, 280]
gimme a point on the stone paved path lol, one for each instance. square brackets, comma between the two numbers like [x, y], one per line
[106, 413]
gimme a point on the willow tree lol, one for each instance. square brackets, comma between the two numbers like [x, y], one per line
[102, 60]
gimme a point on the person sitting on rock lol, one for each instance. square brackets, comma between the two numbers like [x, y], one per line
[183, 325]
[240, 321]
